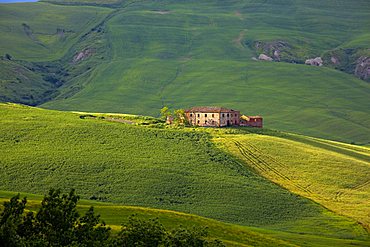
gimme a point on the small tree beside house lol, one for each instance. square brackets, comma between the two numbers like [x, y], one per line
[176, 118]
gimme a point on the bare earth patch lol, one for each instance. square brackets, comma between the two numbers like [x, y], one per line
[161, 12]
[238, 41]
[238, 14]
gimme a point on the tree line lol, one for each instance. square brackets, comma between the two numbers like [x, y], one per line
[58, 223]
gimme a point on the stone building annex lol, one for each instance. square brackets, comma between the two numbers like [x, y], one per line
[210, 116]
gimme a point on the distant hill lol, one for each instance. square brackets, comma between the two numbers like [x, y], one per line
[136, 56]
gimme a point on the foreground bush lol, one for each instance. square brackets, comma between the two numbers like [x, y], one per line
[57, 223]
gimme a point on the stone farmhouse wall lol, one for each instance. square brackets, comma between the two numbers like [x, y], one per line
[212, 117]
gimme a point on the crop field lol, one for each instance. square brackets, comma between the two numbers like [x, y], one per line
[145, 166]
[232, 235]
[333, 174]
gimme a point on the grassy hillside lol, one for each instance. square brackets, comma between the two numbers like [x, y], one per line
[115, 215]
[20, 84]
[39, 56]
[144, 166]
[146, 54]
[105, 3]
[333, 174]
[232, 235]
[190, 53]
[44, 32]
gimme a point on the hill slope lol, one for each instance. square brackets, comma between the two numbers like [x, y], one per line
[185, 53]
[114, 215]
[333, 174]
[231, 235]
[162, 168]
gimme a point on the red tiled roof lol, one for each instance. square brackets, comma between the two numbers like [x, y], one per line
[206, 109]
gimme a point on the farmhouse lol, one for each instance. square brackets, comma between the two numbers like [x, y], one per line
[210, 116]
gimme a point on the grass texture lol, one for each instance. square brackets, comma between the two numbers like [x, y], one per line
[186, 53]
[171, 169]
[336, 175]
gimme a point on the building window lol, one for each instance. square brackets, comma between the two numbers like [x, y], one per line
[191, 114]
[213, 115]
[205, 122]
[228, 115]
[205, 115]
[223, 115]
[198, 121]
[198, 115]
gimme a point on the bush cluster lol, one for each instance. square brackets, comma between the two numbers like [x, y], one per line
[58, 223]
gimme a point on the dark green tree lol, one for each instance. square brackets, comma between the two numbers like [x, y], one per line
[144, 233]
[90, 232]
[57, 217]
[57, 223]
[8, 56]
[195, 237]
[10, 219]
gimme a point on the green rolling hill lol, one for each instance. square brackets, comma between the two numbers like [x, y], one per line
[136, 56]
[333, 174]
[231, 235]
[130, 160]
[298, 182]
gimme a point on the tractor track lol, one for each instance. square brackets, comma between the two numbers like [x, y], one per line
[252, 154]
[266, 163]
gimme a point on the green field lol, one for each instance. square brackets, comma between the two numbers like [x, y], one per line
[183, 53]
[151, 166]
[231, 235]
[250, 187]
[333, 174]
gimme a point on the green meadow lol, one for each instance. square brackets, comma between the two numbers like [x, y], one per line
[141, 163]
[230, 234]
[184, 53]
[336, 175]
[297, 182]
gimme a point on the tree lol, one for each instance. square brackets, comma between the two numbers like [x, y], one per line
[145, 233]
[10, 219]
[57, 223]
[165, 112]
[180, 117]
[90, 232]
[195, 237]
[8, 56]
[57, 217]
